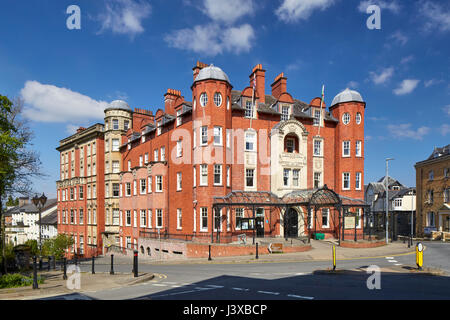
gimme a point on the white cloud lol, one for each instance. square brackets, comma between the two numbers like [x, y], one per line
[406, 60]
[212, 40]
[407, 86]
[124, 16]
[432, 82]
[399, 37]
[227, 11]
[48, 103]
[295, 10]
[445, 129]
[382, 77]
[436, 16]
[352, 85]
[72, 128]
[447, 110]
[392, 6]
[404, 131]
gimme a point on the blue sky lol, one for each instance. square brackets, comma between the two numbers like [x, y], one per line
[136, 49]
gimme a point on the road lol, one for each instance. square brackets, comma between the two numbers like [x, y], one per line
[286, 281]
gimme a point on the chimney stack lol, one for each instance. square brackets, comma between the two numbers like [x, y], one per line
[199, 66]
[260, 82]
[172, 99]
[279, 86]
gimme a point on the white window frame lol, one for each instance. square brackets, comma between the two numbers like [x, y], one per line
[285, 115]
[203, 214]
[358, 146]
[159, 214]
[179, 149]
[288, 182]
[204, 134]
[250, 139]
[344, 174]
[159, 184]
[318, 147]
[143, 186]
[203, 174]
[179, 118]
[218, 99]
[218, 134]
[115, 146]
[247, 171]
[218, 171]
[358, 176]
[179, 219]
[327, 210]
[179, 181]
[344, 143]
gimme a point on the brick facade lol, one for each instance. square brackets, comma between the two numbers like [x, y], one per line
[175, 194]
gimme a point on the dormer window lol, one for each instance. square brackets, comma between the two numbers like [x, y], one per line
[179, 118]
[285, 113]
[249, 109]
[316, 117]
[159, 127]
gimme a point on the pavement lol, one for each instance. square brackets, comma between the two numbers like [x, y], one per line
[54, 284]
[321, 251]
[158, 275]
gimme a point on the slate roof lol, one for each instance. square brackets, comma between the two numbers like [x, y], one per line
[50, 219]
[31, 208]
[440, 152]
[301, 109]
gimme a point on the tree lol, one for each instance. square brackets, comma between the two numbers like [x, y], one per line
[57, 246]
[12, 202]
[18, 164]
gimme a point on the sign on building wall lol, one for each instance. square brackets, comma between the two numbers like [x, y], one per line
[349, 222]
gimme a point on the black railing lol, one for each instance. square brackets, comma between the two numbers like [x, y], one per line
[200, 237]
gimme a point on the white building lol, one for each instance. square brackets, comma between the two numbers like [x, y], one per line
[24, 222]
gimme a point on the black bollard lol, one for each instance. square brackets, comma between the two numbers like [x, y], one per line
[135, 264]
[93, 265]
[112, 264]
[49, 261]
[257, 257]
[40, 263]
[209, 257]
[65, 268]
[35, 283]
[54, 262]
[76, 260]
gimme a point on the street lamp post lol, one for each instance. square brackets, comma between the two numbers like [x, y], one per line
[387, 198]
[39, 202]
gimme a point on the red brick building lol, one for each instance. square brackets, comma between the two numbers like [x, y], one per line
[183, 169]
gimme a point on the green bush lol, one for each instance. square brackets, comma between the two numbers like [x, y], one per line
[14, 280]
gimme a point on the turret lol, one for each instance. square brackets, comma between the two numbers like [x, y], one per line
[348, 107]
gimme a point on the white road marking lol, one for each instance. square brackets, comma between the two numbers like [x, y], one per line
[398, 264]
[389, 258]
[240, 289]
[214, 286]
[299, 297]
[268, 292]
[159, 285]
[393, 261]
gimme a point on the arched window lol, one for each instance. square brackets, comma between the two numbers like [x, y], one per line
[291, 144]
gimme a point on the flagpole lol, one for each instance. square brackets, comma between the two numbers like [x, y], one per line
[321, 104]
[253, 99]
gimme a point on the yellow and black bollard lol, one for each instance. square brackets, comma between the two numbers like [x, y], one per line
[419, 255]
[334, 257]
